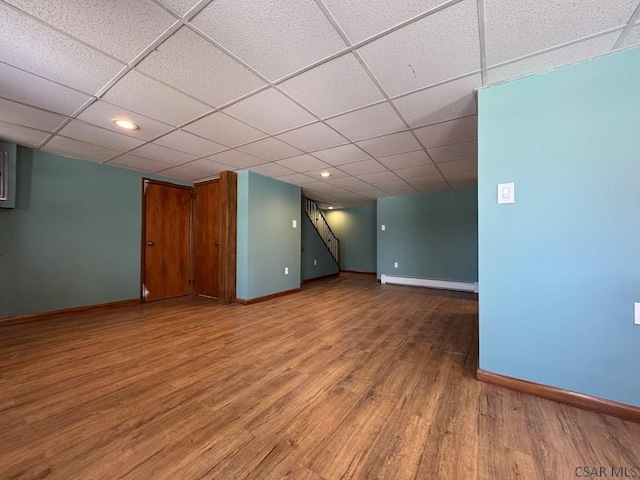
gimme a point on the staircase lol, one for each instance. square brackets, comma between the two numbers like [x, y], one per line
[324, 230]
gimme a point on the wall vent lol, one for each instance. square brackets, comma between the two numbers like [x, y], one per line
[4, 175]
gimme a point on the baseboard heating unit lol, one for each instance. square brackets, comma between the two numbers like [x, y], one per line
[430, 283]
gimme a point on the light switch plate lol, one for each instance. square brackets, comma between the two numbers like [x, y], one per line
[382, 227]
[286, 270]
[395, 264]
[636, 313]
[294, 224]
[507, 192]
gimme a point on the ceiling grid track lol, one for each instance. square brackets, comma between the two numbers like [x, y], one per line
[630, 24]
[417, 114]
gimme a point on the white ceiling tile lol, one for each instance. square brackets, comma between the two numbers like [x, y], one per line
[270, 149]
[303, 163]
[271, 170]
[191, 64]
[450, 34]
[433, 187]
[452, 131]
[207, 166]
[396, 187]
[270, 111]
[98, 136]
[632, 38]
[236, 159]
[462, 184]
[368, 122]
[417, 171]
[224, 129]
[26, 88]
[407, 159]
[182, 173]
[276, 37]
[454, 151]
[140, 93]
[162, 154]
[445, 102]
[458, 165]
[425, 180]
[374, 193]
[296, 179]
[313, 137]
[34, 47]
[139, 163]
[12, 112]
[360, 188]
[519, 28]
[77, 149]
[555, 58]
[464, 175]
[366, 166]
[334, 87]
[324, 187]
[378, 177]
[102, 114]
[361, 23]
[348, 182]
[22, 135]
[190, 143]
[122, 29]
[342, 154]
[390, 144]
[181, 6]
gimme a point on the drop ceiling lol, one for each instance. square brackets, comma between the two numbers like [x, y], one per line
[379, 93]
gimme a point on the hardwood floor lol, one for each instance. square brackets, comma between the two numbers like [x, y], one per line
[346, 379]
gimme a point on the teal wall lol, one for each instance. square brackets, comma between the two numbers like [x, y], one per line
[560, 268]
[73, 238]
[314, 249]
[356, 230]
[431, 236]
[267, 242]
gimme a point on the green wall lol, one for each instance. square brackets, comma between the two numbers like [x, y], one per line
[73, 238]
[267, 242]
[432, 236]
[560, 268]
[314, 250]
[356, 230]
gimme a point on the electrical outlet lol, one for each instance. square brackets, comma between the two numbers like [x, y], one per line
[636, 313]
[286, 270]
[315, 262]
[382, 227]
[395, 264]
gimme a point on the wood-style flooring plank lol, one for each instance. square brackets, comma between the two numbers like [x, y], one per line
[347, 379]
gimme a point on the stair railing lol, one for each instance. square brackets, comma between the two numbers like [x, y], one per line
[324, 230]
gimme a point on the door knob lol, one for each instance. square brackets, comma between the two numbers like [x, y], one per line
[216, 243]
[149, 243]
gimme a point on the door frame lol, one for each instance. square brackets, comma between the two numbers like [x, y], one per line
[143, 240]
[228, 241]
[228, 235]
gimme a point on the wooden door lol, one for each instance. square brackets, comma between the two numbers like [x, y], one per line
[166, 240]
[207, 238]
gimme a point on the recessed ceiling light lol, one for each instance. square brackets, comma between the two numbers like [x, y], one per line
[330, 208]
[126, 124]
[325, 174]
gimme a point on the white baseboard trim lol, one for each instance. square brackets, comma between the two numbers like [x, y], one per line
[430, 283]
